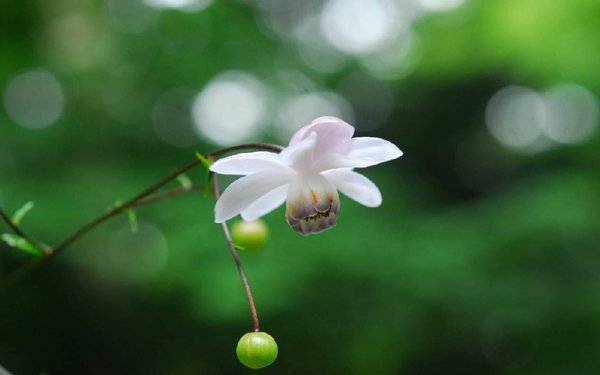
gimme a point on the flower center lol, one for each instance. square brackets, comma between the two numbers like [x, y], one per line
[313, 209]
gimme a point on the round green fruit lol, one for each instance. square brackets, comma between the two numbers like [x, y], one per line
[257, 350]
[251, 236]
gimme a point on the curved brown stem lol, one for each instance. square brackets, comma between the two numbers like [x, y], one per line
[162, 182]
[137, 200]
[122, 207]
[166, 195]
[238, 263]
[12, 225]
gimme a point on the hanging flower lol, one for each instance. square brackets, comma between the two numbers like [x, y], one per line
[307, 175]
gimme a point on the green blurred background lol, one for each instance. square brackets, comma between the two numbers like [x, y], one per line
[483, 259]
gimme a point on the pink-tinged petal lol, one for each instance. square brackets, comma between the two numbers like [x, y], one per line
[265, 204]
[300, 155]
[333, 135]
[364, 152]
[303, 132]
[370, 151]
[355, 186]
[248, 163]
[244, 192]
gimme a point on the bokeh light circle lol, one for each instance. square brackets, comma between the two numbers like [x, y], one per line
[182, 5]
[372, 100]
[397, 59]
[528, 121]
[572, 114]
[360, 27]
[130, 16]
[440, 5]
[515, 116]
[172, 120]
[139, 256]
[300, 110]
[230, 108]
[34, 99]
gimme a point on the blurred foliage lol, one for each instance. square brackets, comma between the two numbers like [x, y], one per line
[482, 259]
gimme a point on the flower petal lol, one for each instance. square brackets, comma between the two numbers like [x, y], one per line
[364, 152]
[300, 155]
[265, 204]
[369, 151]
[355, 186]
[247, 163]
[242, 193]
[333, 135]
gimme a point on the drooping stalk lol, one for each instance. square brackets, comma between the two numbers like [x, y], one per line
[238, 263]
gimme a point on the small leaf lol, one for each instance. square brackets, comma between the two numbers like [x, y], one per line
[207, 184]
[21, 212]
[208, 180]
[132, 220]
[20, 243]
[240, 248]
[207, 163]
[185, 181]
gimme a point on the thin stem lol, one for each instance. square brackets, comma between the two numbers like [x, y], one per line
[12, 225]
[261, 146]
[15, 228]
[137, 200]
[45, 248]
[162, 182]
[166, 195]
[122, 207]
[237, 261]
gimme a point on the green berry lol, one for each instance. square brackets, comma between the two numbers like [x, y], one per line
[257, 350]
[251, 236]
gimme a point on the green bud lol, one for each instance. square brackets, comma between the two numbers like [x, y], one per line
[257, 350]
[250, 236]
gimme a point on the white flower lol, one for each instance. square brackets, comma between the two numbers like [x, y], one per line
[307, 174]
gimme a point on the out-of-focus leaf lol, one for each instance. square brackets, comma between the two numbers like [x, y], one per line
[132, 220]
[22, 244]
[208, 181]
[207, 163]
[185, 181]
[21, 212]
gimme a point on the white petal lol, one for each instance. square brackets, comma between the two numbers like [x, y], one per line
[247, 163]
[363, 152]
[242, 193]
[355, 186]
[265, 204]
[300, 155]
[333, 135]
[369, 151]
